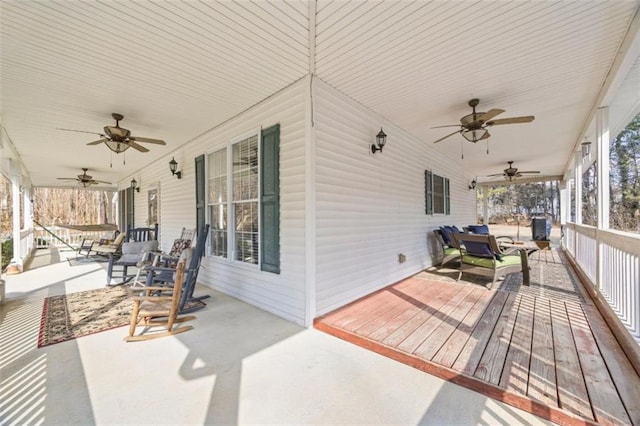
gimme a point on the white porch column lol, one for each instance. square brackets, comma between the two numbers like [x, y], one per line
[16, 260]
[578, 186]
[602, 146]
[564, 209]
[485, 204]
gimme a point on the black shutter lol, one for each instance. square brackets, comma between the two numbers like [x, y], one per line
[447, 199]
[428, 192]
[270, 199]
[200, 194]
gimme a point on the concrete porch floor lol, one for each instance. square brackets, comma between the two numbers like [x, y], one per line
[240, 365]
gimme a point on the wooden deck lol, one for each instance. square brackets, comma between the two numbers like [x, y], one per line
[542, 348]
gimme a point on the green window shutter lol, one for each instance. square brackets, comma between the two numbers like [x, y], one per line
[447, 199]
[200, 194]
[270, 199]
[428, 192]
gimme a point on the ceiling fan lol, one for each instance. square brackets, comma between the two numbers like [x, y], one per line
[511, 173]
[86, 180]
[119, 139]
[474, 127]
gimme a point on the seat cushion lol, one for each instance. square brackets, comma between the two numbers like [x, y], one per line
[178, 247]
[479, 229]
[451, 250]
[132, 251]
[488, 263]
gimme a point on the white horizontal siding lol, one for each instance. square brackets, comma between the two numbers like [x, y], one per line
[370, 207]
[282, 294]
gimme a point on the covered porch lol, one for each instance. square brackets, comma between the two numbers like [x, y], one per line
[348, 221]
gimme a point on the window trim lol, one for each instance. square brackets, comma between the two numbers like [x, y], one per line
[429, 192]
[231, 221]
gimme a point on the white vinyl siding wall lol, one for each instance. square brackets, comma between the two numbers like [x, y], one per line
[281, 294]
[370, 207]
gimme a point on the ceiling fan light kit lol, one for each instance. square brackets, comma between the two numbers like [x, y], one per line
[474, 127]
[119, 139]
[84, 180]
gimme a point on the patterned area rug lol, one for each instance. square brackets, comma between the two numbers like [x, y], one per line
[79, 314]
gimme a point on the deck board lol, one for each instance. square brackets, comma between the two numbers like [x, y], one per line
[492, 362]
[515, 375]
[443, 331]
[604, 397]
[542, 373]
[541, 349]
[470, 355]
[452, 348]
[572, 390]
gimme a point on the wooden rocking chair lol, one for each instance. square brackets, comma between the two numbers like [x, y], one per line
[158, 311]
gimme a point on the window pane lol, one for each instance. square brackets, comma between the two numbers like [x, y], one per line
[245, 199]
[438, 194]
[246, 218]
[218, 177]
[219, 230]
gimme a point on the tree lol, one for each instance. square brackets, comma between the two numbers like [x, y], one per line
[624, 179]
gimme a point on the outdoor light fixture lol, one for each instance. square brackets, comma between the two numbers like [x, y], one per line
[473, 184]
[117, 147]
[173, 166]
[381, 139]
[586, 149]
[134, 185]
[475, 135]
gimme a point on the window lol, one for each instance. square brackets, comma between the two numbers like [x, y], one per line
[437, 200]
[218, 202]
[243, 200]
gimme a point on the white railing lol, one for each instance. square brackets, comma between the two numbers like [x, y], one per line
[73, 237]
[611, 261]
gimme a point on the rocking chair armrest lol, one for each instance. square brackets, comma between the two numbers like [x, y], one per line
[152, 298]
[158, 268]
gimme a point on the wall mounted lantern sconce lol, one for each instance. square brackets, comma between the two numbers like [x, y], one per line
[586, 149]
[473, 184]
[134, 185]
[381, 139]
[173, 166]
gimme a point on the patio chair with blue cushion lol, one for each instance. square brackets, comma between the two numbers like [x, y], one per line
[481, 255]
[484, 230]
[450, 249]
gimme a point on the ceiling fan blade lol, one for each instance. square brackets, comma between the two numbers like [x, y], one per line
[101, 181]
[451, 134]
[529, 172]
[496, 174]
[140, 148]
[99, 141]
[490, 114]
[79, 131]
[448, 125]
[512, 120]
[147, 140]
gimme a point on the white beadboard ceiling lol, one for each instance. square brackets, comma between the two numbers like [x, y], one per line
[176, 69]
